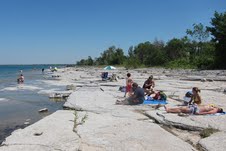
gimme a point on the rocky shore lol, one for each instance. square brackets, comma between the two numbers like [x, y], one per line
[91, 121]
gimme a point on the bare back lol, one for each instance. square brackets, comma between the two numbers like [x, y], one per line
[207, 110]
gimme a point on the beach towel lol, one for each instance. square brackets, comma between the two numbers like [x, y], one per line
[223, 113]
[163, 102]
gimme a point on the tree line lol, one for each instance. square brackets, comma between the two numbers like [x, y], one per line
[202, 47]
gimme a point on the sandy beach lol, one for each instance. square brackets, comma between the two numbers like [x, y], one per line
[91, 121]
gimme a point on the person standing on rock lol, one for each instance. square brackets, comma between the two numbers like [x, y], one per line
[136, 98]
[196, 98]
[129, 83]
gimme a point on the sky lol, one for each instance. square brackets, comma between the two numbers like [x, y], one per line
[65, 31]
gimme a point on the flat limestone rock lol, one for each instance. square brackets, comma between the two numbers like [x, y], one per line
[117, 127]
[107, 132]
[54, 132]
[217, 142]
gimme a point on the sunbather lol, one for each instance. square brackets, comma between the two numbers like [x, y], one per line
[194, 109]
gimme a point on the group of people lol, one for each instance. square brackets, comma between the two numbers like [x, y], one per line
[195, 106]
[136, 95]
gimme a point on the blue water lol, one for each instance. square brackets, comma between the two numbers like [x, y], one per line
[18, 104]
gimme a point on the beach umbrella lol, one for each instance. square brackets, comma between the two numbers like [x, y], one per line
[109, 68]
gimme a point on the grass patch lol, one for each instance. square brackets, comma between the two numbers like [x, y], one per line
[207, 132]
[77, 122]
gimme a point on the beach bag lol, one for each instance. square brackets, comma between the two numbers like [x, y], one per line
[122, 88]
[163, 96]
[160, 96]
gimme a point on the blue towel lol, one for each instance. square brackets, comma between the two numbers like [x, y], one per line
[155, 102]
[223, 113]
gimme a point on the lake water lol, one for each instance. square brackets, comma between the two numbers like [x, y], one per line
[19, 103]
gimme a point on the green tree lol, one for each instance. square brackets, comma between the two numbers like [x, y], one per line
[118, 57]
[141, 51]
[206, 59]
[81, 62]
[113, 56]
[175, 49]
[131, 52]
[218, 30]
[90, 61]
[131, 61]
[199, 35]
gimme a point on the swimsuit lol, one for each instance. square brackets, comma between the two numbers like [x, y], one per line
[128, 88]
[193, 109]
[196, 100]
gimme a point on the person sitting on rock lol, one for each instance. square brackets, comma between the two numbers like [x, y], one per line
[114, 77]
[136, 98]
[195, 98]
[187, 98]
[149, 85]
[194, 109]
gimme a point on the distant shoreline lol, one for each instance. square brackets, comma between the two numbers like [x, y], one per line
[30, 64]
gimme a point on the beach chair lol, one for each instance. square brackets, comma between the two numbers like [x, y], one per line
[104, 76]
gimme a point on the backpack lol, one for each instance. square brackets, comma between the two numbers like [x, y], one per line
[188, 94]
[160, 96]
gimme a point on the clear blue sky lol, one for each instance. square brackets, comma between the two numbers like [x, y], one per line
[64, 31]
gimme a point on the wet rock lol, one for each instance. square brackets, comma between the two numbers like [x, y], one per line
[70, 87]
[203, 80]
[38, 133]
[43, 110]
[224, 90]
[210, 80]
[26, 123]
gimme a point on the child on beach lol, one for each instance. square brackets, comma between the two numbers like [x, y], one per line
[129, 83]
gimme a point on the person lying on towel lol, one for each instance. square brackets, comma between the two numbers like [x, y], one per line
[194, 109]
